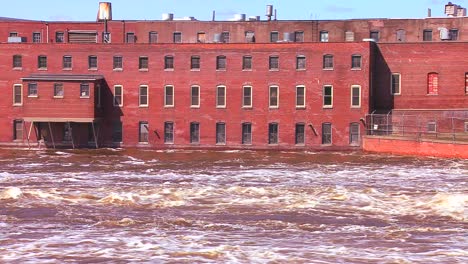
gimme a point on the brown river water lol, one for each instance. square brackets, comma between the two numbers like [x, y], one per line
[147, 206]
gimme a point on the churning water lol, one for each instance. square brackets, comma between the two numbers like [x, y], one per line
[138, 206]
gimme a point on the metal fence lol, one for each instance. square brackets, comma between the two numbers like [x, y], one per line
[420, 125]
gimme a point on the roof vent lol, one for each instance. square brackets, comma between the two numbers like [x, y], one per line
[168, 16]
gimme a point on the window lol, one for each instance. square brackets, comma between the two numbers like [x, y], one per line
[453, 33]
[67, 62]
[67, 132]
[247, 96]
[326, 133]
[17, 94]
[143, 95]
[273, 133]
[168, 96]
[249, 36]
[432, 83]
[356, 62]
[300, 63]
[466, 127]
[466, 82]
[36, 37]
[59, 37]
[143, 63]
[221, 96]
[177, 37]
[323, 36]
[58, 90]
[168, 62]
[349, 36]
[431, 127]
[221, 63]
[300, 96]
[374, 34]
[17, 129]
[168, 132]
[143, 132]
[13, 34]
[401, 35]
[327, 62]
[354, 134]
[117, 63]
[246, 133]
[106, 37]
[195, 62]
[92, 62]
[220, 133]
[225, 37]
[273, 63]
[299, 36]
[300, 134]
[274, 97]
[84, 90]
[247, 63]
[118, 95]
[274, 36]
[427, 35]
[201, 37]
[195, 96]
[194, 132]
[42, 62]
[117, 131]
[153, 37]
[17, 61]
[130, 38]
[32, 90]
[396, 83]
[355, 96]
[327, 96]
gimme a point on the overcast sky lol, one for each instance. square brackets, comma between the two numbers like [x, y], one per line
[86, 10]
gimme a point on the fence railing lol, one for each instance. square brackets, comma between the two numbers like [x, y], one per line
[420, 125]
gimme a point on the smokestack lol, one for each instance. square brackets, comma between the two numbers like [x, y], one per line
[214, 16]
[429, 12]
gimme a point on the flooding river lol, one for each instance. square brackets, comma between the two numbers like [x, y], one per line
[146, 206]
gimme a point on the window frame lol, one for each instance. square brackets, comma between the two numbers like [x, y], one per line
[353, 87]
[328, 62]
[87, 92]
[325, 95]
[120, 96]
[324, 36]
[298, 96]
[33, 86]
[301, 63]
[394, 85]
[221, 63]
[274, 35]
[273, 133]
[92, 62]
[153, 37]
[298, 141]
[117, 131]
[197, 96]
[225, 37]
[454, 33]
[35, 38]
[248, 96]
[143, 63]
[246, 133]
[221, 103]
[143, 137]
[17, 62]
[168, 132]
[298, 36]
[141, 96]
[327, 134]
[59, 90]
[400, 35]
[59, 37]
[356, 62]
[195, 63]
[427, 35]
[169, 63]
[273, 63]
[273, 97]
[177, 37]
[201, 37]
[17, 87]
[353, 135]
[247, 63]
[431, 127]
[130, 37]
[18, 134]
[67, 62]
[169, 99]
[375, 35]
[220, 134]
[117, 61]
[194, 133]
[42, 62]
[250, 36]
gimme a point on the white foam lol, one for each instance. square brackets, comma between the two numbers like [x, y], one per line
[11, 193]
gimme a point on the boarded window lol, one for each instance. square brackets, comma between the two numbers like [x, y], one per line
[432, 83]
[401, 35]
[349, 36]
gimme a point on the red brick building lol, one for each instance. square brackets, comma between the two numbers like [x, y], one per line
[219, 84]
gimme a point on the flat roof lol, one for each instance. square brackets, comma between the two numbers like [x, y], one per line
[63, 77]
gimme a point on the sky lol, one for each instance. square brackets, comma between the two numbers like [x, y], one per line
[86, 10]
